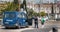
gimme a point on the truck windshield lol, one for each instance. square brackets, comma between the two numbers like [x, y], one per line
[22, 16]
[9, 15]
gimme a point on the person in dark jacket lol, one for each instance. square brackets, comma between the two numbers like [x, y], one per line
[36, 22]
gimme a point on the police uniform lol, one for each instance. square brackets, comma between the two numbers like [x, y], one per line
[36, 22]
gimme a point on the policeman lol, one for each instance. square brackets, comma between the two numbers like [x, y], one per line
[36, 22]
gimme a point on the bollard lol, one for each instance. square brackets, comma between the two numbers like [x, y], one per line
[55, 29]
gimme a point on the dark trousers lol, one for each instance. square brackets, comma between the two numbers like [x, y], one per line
[36, 25]
[42, 23]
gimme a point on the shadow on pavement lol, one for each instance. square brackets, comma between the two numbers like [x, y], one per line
[13, 28]
[38, 30]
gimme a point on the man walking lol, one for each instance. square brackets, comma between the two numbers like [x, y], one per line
[42, 21]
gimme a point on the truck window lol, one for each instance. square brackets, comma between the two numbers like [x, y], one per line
[9, 15]
[22, 16]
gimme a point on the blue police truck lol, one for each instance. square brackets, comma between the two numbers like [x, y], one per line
[15, 19]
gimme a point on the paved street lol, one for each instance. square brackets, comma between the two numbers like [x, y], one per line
[14, 30]
[25, 30]
[47, 28]
[38, 30]
[19, 13]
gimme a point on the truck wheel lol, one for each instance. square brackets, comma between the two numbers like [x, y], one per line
[7, 27]
[10, 27]
[19, 27]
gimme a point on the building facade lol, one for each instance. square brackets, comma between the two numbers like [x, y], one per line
[43, 7]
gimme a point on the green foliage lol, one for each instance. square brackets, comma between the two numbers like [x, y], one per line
[42, 13]
[2, 8]
[31, 12]
[11, 7]
[16, 1]
[38, 14]
[35, 14]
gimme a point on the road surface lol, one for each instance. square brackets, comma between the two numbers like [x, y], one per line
[47, 28]
[25, 30]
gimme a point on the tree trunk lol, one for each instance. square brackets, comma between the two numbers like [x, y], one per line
[52, 11]
[39, 7]
[19, 5]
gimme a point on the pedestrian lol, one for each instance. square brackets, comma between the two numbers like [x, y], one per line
[42, 21]
[36, 22]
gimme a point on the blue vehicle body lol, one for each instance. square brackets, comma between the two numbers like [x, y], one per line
[22, 17]
[13, 19]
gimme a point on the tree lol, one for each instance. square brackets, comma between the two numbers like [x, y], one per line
[30, 12]
[16, 1]
[38, 14]
[11, 6]
[25, 6]
[3, 7]
[42, 13]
